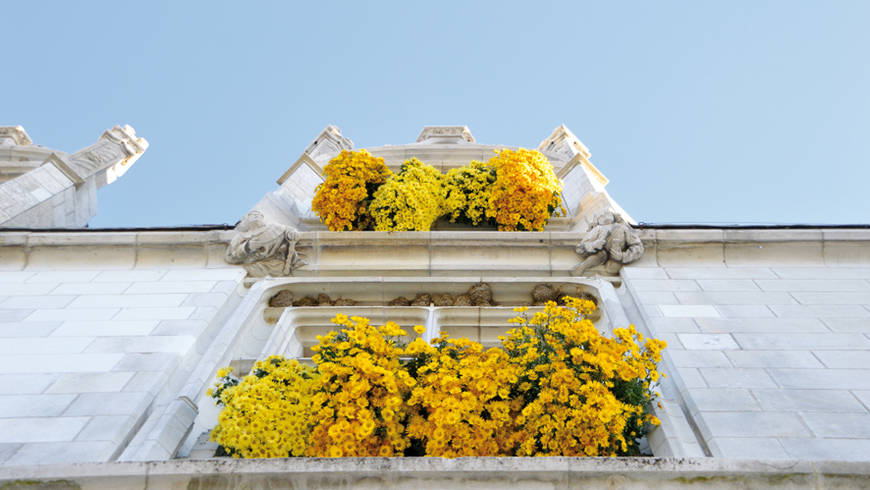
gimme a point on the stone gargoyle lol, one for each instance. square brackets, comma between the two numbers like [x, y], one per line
[610, 242]
[264, 248]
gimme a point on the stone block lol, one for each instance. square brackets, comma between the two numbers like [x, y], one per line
[824, 379]
[773, 358]
[833, 298]
[720, 273]
[13, 384]
[225, 274]
[744, 311]
[827, 449]
[36, 302]
[694, 358]
[659, 285]
[165, 287]
[180, 327]
[737, 378]
[41, 429]
[44, 345]
[802, 341]
[105, 328]
[779, 253]
[788, 400]
[153, 256]
[734, 298]
[851, 252]
[858, 325]
[109, 382]
[814, 273]
[113, 428]
[707, 341]
[844, 358]
[760, 325]
[692, 254]
[719, 399]
[175, 313]
[656, 298]
[634, 272]
[174, 344]
[847, 425]
[63, 452]
[749, 448]
[58, 363]
[727, 285]
[15, 277]
[7, 450]
[689, 311]
[126, 403]
[692, 378]
[27, 329]
[154, 361]
[147, 381]
[77, 314]
[129, 300]
[754, 424]
[660, 325]
[463, 258]
[817, 285]
[87, 257]
[133, 275]
[33, 405]
[78, 288]
[8, 316]
[206, 299]
[26, 289]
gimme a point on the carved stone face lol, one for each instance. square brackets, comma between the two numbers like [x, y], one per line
[605, 219]
[254, 220]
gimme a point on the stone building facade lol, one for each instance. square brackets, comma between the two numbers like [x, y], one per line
[110, 339]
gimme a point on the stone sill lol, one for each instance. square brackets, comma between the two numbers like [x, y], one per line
[439, 252]
[649, 236]
[448, 473]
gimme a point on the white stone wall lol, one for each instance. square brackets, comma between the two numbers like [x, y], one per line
[773, 358]
[88, 353]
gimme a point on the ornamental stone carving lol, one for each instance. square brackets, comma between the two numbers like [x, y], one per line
[264, 248]
[610, 242]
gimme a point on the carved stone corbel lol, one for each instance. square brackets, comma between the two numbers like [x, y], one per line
[610, 242]
[264, 248]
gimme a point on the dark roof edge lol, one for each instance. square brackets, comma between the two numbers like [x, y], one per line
[666, 226]
[641, 225]
[221, 227]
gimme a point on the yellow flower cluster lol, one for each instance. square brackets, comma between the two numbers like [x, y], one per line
[410, 200]
[358, 404]
[555, 387]
[268, 413]
[461, 404]
[526, 191]
[342, 199]
[468, 192]
[590, 393]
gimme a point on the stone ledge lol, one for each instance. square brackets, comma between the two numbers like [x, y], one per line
[448, 473]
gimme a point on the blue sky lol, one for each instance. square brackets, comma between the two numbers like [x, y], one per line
[698, 112]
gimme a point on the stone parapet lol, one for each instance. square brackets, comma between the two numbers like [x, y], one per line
[394, 473]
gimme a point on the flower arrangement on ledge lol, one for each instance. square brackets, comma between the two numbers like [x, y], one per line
[515, 190]
[555, 387]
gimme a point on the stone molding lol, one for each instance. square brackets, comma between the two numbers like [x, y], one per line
[16, 134]
[534, 252]
[454, 134]
[448, 473]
